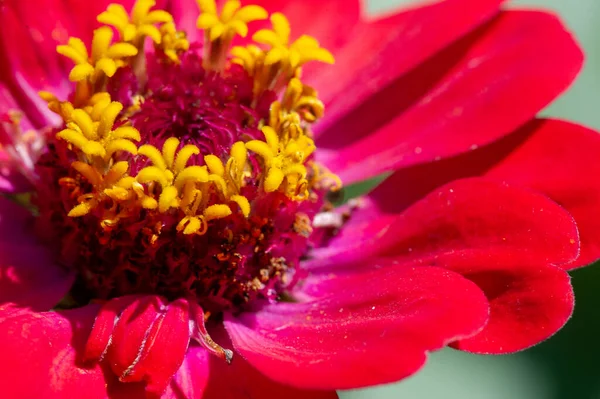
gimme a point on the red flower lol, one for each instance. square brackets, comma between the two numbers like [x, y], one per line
[181, 208]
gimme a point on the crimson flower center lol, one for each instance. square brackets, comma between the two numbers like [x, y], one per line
[187, 172]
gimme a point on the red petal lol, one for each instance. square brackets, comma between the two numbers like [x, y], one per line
[502, 238]
[559, 159]
[370, 328]
[486, 85]
[205, 376]
[130, 335]
[28, 274]
[39, 352]
[29, 33]
[165, 349]
[528, 302]
[554, 157]
[331, 25]
[380, 52]
[108, 315]
[463, 216]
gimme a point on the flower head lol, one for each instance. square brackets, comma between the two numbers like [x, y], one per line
[180, 234]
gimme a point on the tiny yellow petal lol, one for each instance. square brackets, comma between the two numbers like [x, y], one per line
[207, 6]
[215, 165]
[166, 199]
[108, 66]
[273, 180]
[155, 156]
[251, 13]
[193, 173]
[217, 211]
[261, 148]
[80, 72]
[207, 21]
[183, 156]
[152, 174]
[242, 203]
[80, 210]
[168, 150]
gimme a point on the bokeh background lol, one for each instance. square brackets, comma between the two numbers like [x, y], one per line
[567, 366]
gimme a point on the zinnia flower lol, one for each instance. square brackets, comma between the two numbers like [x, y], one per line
[177, 236]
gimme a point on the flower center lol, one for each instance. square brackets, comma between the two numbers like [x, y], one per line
[180, 174]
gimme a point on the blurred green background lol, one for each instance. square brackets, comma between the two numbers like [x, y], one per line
[567, 366]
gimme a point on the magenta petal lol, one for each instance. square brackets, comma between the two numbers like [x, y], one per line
[11, 180]
[28, 274]
[370, 328]
[465, 215]
[528, 302]
[487, 85]
[40, 354]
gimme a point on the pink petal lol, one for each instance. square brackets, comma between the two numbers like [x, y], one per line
[486, 85]
[463, 216]
[370, 328]
[528, 302]
[40, 352]
[28, 274]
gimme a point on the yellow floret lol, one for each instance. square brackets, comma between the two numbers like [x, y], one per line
[104, 59]
[92, 133]
[141, 23]
[233, 19]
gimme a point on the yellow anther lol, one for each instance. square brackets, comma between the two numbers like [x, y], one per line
[105, 58]
[140, 24]
[233, 19]
[96, 138]
[173, 42]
